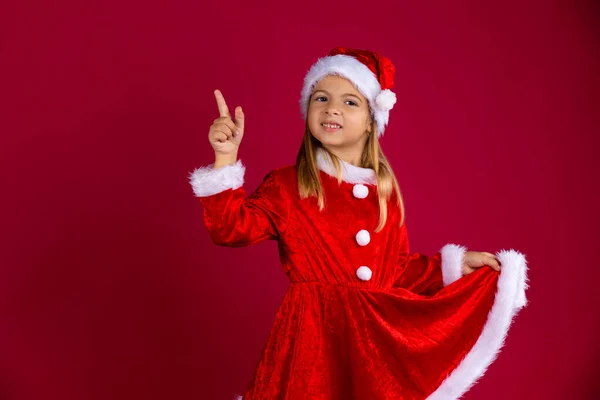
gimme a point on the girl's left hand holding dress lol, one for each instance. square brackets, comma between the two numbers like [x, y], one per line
[477, 259]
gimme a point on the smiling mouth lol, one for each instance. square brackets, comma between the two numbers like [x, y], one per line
[331, 127]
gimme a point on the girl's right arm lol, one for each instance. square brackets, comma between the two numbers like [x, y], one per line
[232, 219]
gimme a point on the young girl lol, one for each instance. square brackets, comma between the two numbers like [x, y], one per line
[363, 317]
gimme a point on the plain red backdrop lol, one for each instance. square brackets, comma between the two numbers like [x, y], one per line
[110, 287]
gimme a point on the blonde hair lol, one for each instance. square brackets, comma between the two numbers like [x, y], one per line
[309, 182]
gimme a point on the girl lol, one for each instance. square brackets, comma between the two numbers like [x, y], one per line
[363, 317]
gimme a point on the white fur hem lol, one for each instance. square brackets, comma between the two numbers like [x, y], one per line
[452, 261]
[510, 298]
[207, 181]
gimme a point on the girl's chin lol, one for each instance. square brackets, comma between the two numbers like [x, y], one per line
[328, 138]
[325, 134]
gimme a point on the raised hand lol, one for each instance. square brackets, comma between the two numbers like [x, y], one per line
[225, 135]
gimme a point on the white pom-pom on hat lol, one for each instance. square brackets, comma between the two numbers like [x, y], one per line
[386, 99]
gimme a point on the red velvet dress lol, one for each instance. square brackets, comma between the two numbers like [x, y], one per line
[363, 317]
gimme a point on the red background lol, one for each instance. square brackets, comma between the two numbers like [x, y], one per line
[109, 284]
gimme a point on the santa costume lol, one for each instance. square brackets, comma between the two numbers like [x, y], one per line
[363, 317]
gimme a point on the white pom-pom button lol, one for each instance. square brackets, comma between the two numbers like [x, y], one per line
[360, 191]
[363, 238]
[364, 273]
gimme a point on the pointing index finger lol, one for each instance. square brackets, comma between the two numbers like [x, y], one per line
[223, 110]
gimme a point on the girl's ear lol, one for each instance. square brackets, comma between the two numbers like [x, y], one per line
[370, 124]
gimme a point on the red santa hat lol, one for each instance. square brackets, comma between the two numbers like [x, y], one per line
[371, 73]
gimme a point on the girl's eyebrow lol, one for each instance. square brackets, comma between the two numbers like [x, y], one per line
[345, 94]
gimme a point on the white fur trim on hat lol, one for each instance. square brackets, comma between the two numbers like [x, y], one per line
[358, 73]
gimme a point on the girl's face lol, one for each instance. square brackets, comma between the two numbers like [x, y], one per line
[335, 100]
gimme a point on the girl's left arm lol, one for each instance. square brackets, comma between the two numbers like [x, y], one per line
[426, 275]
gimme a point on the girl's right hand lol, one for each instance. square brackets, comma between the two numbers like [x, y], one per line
[224, 134]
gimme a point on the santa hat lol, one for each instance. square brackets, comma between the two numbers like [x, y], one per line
[371, 73]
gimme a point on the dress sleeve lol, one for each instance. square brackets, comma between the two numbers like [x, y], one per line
[426, 275]
[232, 218]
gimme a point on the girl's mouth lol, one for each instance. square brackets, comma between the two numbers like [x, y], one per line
[331, 127]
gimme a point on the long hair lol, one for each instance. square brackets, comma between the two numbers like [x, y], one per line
[309, 182]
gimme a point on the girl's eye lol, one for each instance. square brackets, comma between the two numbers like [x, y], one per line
[353, 103]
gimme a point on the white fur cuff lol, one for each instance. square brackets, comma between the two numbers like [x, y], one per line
[452, 260]
[207, 181]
